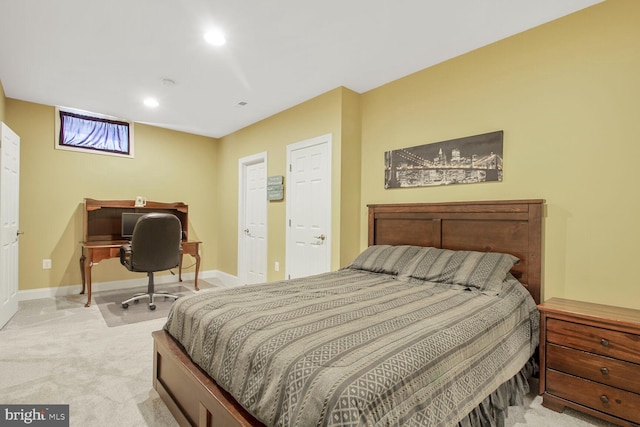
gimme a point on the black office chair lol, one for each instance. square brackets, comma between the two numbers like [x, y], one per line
[155, 246]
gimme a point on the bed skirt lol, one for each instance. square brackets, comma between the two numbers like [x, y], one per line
[494, 409]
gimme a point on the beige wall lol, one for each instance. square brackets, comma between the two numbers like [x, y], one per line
[2, 102]
[350, 172]
[318, 116]
[168, 166]
[567, 95]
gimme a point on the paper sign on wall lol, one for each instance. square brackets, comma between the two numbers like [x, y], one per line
[275, 187]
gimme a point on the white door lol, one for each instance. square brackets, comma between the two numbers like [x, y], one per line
[9, 203]
[309, 207]
[252, 221]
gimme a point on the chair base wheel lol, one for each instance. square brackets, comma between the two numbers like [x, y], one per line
[150, 296]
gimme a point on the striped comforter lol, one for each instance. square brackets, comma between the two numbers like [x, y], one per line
[354, 348]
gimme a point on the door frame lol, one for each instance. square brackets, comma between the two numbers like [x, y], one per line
[322, 139]
[243, 164]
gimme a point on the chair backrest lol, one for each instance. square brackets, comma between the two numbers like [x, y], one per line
[155, 244]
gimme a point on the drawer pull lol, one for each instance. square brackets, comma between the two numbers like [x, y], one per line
[604, 371]
[604, 399]
[604, 342]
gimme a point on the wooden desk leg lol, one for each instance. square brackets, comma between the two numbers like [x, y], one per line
[87, 273]
[82, 259]
[195, 281]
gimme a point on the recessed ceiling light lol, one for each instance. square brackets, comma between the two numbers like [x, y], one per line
[215, 37]
[151, 102]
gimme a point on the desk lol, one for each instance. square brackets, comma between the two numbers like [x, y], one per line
[94, 252]
[102, 234]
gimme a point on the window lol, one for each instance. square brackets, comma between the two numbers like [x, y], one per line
[89, 132]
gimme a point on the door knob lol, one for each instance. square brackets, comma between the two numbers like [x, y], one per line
[321, 237]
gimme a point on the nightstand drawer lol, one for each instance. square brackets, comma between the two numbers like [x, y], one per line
[602, 341]
[613, 372]
[621, 404]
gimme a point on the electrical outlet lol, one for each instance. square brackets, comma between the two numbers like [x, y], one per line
[46, 264]
[276, 267]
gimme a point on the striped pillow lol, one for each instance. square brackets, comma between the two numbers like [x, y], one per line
[482, 270]
[384, 258]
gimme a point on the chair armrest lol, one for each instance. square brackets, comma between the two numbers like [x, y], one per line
[125, 255]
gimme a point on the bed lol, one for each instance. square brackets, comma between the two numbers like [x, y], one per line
[386, 311]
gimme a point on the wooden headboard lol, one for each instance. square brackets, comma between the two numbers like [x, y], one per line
[507, 226]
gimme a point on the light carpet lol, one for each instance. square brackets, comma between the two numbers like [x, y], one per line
[56, 351]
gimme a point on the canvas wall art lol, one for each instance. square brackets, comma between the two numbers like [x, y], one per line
[465, 160]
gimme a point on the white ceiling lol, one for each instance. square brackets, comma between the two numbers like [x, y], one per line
[107, 56]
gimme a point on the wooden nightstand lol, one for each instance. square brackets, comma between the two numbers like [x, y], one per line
[590, 359]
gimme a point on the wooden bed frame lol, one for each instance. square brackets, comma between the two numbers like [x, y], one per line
[513, 226]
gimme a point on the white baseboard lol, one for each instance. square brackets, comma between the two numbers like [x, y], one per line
[31, 294]
[226, 278]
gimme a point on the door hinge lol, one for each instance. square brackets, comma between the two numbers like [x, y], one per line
[289, 223]
[290, 168]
